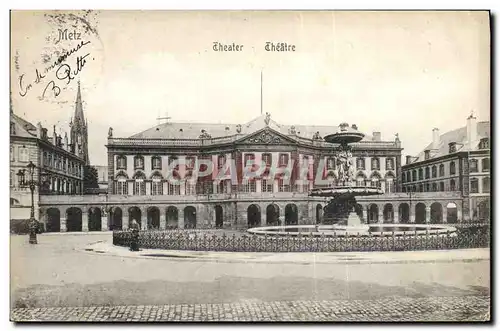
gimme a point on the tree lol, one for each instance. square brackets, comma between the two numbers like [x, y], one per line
[90, 177]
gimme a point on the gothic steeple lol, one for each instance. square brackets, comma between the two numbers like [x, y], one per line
[79, 133]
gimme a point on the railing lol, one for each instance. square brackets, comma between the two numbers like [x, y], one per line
[478, 237]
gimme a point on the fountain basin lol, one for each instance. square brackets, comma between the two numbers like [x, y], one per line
[345, 191]
[375, 230]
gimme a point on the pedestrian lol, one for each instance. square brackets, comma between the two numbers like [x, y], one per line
[134, 242]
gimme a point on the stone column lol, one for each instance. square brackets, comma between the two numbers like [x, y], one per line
[148, 187]
[130, 188]
[125, 216]
[275, 186]
[181, 217]
[85, 221]
[427, 214]
[445, 215]
[412, 214]
[63, 225]
[263, 214]
[365, 215]
[163, 219]
[459, 213]
[380, 214]
[144, 218]
[104, 220]
[396, 215]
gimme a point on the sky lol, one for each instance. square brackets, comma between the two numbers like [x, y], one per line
[393, 72]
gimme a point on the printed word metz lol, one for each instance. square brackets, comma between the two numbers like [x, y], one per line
[65, 35]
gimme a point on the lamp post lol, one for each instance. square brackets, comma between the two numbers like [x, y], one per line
[32, 184]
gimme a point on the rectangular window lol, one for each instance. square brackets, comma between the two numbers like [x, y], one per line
[174, 189]
[474, 186]
[283, 160]
[12, 155]
[23, 154]
[282, 187]
[190, 186]
[156, 187]
[267, 185]
[249, 186]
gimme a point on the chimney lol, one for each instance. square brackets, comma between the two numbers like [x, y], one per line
[377, 136]
[59, 141]
[408, 159]
[354, 126]
[39, 130]
[471, 130]
[343, 126]
[44, 133]
[66, 146]
[435, 138]
[54, 137]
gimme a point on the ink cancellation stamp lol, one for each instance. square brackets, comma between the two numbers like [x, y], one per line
[262, 140]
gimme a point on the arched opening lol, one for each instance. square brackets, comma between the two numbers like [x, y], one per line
[272, 214]
[420, 213]
[253, 216]
[436, 213]
[219, 222]
[404, 213]
[116, 219]
[451, 213]
[153, 218]
[53, 220]
[94, 219]
[73, 219]
[189, 217]
[319, 213]
[291, 214]
[388, 213]
[372, 214]
[172, 217]
[484, 211]
[134, 213]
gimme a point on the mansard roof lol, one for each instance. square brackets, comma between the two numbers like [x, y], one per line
[22, 127]
[194, 130]
[458, 136]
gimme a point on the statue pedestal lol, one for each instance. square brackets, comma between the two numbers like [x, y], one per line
[354, 225]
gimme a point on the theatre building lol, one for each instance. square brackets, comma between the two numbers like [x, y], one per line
[141, 186]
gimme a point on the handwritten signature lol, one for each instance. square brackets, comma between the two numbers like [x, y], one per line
[64, 73]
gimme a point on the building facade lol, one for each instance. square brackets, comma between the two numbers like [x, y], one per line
[59, 166]
[456, 161]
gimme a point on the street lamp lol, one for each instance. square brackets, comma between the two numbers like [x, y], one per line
[32, 184]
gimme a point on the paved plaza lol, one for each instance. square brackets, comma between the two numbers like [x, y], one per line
[60, 280]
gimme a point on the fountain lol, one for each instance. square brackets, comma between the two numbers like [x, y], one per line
[344, 194]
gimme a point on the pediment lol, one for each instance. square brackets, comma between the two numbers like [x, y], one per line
[266, 136]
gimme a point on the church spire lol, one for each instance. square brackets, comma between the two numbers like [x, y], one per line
[79, 133]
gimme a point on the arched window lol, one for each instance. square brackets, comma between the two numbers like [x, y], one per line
[389, 163]
[121, 162]
[360, 163]
[375, 181]
[375, 163]
[473, 165]
[485, 165]
[452, 168]
[139, 184]
[441, 170]
[121, 187]
[156, 185]
[360, 180]
[389, 184]
[434, 171]
[156, 163]
[427, 173]
[486, 185]
[138, 162]
[453, 185]
[474, 185]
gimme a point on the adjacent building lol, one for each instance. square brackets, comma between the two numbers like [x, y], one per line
[59, 163]
[456, 161]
